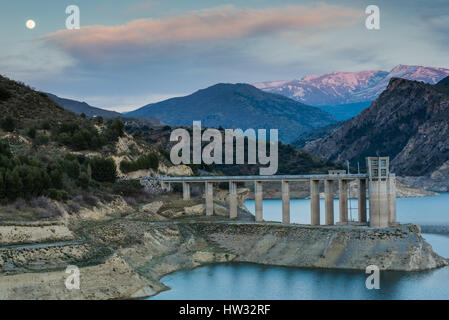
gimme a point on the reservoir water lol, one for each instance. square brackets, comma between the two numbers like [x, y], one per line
[251, 281]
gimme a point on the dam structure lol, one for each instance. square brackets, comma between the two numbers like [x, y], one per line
[378, 183]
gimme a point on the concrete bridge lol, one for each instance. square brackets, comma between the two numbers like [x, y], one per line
[378, 181]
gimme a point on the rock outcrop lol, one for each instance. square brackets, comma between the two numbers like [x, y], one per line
[408, 122]
[126, 257]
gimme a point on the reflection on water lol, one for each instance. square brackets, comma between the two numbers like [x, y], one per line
[250, 281]
[425, 210]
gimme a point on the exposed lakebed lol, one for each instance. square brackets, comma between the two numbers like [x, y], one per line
[252, 281]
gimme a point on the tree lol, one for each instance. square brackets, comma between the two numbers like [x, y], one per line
[153, 161]
[2, 183]
[8, 124]
[32, 133]
[13, 184]
[4, 94]
[115, 129]
[72, 168]
[103, 170]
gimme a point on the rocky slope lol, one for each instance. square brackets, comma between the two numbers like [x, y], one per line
[409, 122]
[169, 234]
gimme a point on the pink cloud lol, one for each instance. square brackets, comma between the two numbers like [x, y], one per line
[215, 24]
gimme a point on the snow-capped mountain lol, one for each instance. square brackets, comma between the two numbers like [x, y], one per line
[337, 88]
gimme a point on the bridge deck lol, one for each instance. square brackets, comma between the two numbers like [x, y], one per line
[265, 178]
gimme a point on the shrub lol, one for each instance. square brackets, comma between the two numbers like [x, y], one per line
[103, 169]
[58, 195]
[131, 201]
[4, 149]
[32, 133]
[8, 124]
[4, 94]
[83, 180]
[73, 207]
[128, 188]
[45, 125]
[150, 161]
[18, 205]
[72, 168]
[40, 202]
[114, 129]
[41, 138]
[91, 200]
[45, 208]
[99, 119]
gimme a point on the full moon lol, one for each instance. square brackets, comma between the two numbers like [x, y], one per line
[30, 24]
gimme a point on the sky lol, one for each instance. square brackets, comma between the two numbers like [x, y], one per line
[130, 53]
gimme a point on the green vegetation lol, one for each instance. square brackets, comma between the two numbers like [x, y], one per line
[37, 163]
[103, 170]
[149, 161]
[8, 124]
[4, 94]
[86, 137]
[27, 176]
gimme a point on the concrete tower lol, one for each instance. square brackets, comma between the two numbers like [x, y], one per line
[382, 192]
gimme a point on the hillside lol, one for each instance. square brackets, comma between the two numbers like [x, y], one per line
[49, 154]
[90, 111]
[82, 107]
[239, 106]
[408, 122]
[29, 107]
[444, 81]
[319, 133]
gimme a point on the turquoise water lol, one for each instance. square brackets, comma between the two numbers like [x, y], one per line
[428, 210]
[250, 281]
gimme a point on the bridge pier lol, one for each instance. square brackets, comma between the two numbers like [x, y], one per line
[377, 184]
[343, 200]
[362, 200]
[209, 198]
[285, 202]
[186, 191]
[315, 202]
[232, 199]
[258, 197]
[329, 202]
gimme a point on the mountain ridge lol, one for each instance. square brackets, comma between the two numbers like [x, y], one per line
[241, 106]
[337, 88]
[79, 107]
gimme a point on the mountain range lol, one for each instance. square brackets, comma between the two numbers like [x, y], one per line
[90, 111]
[408, 122]
[345, 94]
[239, 106]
